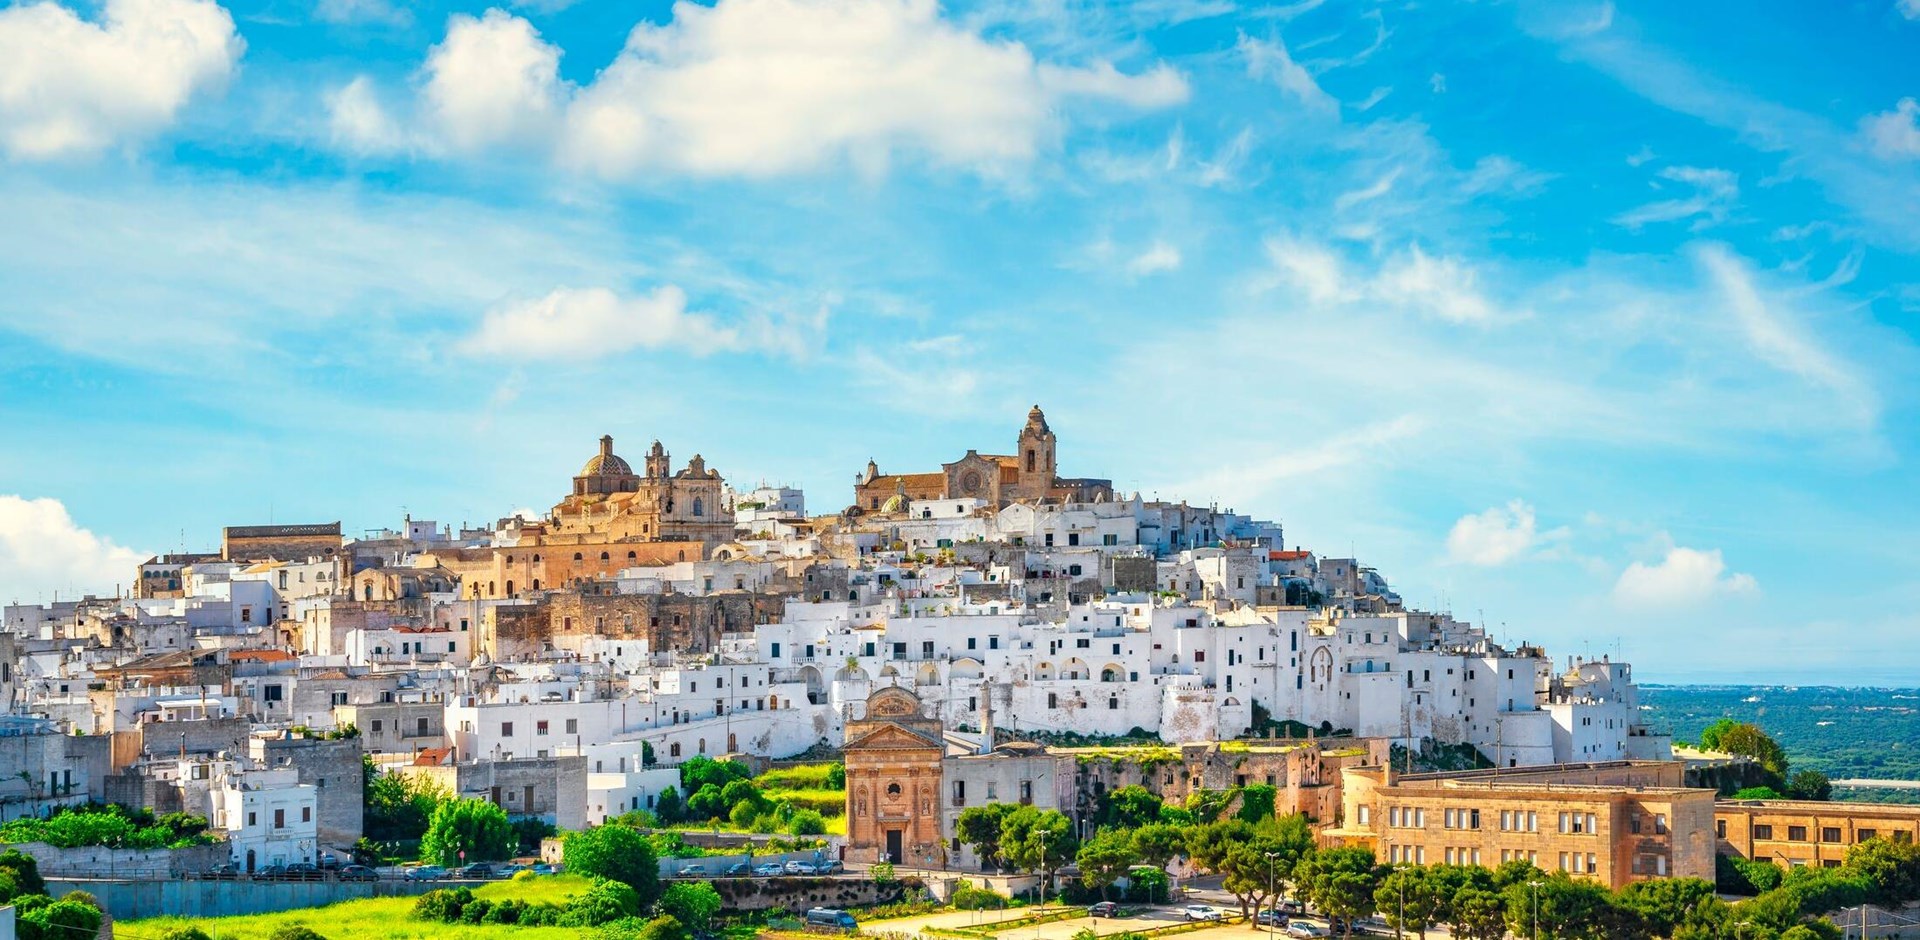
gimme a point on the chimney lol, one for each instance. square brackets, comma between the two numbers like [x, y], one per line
[986, 718]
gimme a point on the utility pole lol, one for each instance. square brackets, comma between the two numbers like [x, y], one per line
[1534, 887]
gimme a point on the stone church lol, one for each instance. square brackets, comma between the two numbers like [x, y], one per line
[893, 757]
[1029, 474]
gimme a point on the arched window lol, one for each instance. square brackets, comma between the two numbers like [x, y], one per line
[703, 745]
[509, 559]
[893, 789]
[631, 556]
[1030, 460]
[509, 588]
[536, 557]
[673, 750]
[366, 591]
[578, 557]
[699, 509]
[536, 584]
[604, 556]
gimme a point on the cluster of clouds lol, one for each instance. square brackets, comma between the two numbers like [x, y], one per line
[43, 551]
[749, 88]
[597, 322]
[1671, 577]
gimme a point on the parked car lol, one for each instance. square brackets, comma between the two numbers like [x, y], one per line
[509, 869]
[768, 870]
[329, 862]
[829, 867]
[693, 871]
[272, 872]
[426, 873]
[475, 870]
[797, 867]
[1270, 917]
[223, 872]
[542, 868]
[1301, 928]
[737, 870]
[1104, 909]
[1203, 912]
[1291, 908]
[358, 873]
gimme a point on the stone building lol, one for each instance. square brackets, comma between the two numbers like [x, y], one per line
[332, 769]
[1796, 833]
[1615, 822]
[553, 789]
[665, 622]
[280, 542]
[893, 758]
[1030, 473]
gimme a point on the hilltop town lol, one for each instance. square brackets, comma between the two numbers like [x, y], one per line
[986, 632]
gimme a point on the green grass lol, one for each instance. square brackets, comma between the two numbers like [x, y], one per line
[389, 918]
[825, 802]
[803, 777]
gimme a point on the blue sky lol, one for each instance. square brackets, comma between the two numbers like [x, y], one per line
[1596, 321]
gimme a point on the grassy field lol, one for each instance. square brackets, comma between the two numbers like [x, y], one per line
[382, 918]
[824, 802]
[803, 777]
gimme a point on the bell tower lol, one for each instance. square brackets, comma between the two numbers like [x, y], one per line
[1037, 469]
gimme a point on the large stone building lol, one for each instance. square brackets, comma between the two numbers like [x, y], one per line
[280, 542]
[893, 760]
[1796, 833]
[1614, 822]
[999, 479]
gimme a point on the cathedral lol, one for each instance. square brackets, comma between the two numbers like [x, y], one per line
[612, 502]
[1027, 475]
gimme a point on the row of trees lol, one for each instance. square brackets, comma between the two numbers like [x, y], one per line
[724, 790]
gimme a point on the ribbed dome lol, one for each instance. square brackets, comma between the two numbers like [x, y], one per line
[606, 463]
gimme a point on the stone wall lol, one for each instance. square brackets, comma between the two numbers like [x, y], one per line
[665, 621]
[797, 895]
[97, 861]
[132, 900]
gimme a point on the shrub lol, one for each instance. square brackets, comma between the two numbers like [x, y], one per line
[604, 903]
[692, 903]
[25, 870]
[470, 830]
[663, 927]
[617, 853]
[882, 872]
[59, 920]
[188, 932]
[295, 932]
[1147, 886]
[967, 897]
[442, 904]
[505, 912]
[807, 823]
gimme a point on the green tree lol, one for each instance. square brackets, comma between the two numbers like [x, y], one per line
[702, 771]
[1409, 899]
[837, 777]
[1809, 785]
[743, 793]
[979, 828]
[1566, 909]
[706, 803]
[667, 806]
[1748, 740]
[1157, 843]
[25, 871]
[1105, 859]
[1476, 913]
[1664, 902]
[807, 822]
[185, 932]
[1037, 840]
[1256, 802]
[616, 853]
[1340, 882]
[1758, 793]
[1130, 807]
[1893, 868]
[1710, 736]
[477, 828]
[692, 903]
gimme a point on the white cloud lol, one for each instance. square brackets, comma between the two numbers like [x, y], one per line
[362, 11]
[765, 87]
[492, 81]
[1496, 536]
[1908, 8]
[1714, 194]
[69, 86]
[1894, 135]
[1159, 258]
[43, 551]
[1444, 287]
[594, 322]
[359, 123]
[1269, 59]
[1775, 334]
[1684, 576]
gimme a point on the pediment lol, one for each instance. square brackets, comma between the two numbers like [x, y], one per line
[891, 737]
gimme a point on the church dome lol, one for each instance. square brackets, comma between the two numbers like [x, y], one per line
[606, 463]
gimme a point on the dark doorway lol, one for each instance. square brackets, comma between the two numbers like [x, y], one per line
[893, 846]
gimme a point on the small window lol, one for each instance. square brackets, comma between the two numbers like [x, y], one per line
[1796, 833]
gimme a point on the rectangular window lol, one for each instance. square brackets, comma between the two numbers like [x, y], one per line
[959, 793]
[993, 642]
[1796, 833]
[506, 729]
[1053, 700]
[775, 651]
[1720, 828]
[1830, 833]
[573, 726]
[972, 642]
[420, 726]
[1763, 831]
[1660, 823]
[539, 727]
[279, 819]
[926, 649]
[1860, 835]
[376, 726]
[253, 819]
[306, 814]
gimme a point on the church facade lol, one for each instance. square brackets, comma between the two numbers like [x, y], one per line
[1030, 474]
[893, 757]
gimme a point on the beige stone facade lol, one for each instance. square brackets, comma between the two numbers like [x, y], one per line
[280, 542]
[893, 758]
[1793, 833]
[1030, 473]
[1613, 823]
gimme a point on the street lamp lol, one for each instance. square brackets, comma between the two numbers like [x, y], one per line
[1534, 889]
[1400, 923]
[1046, 836]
